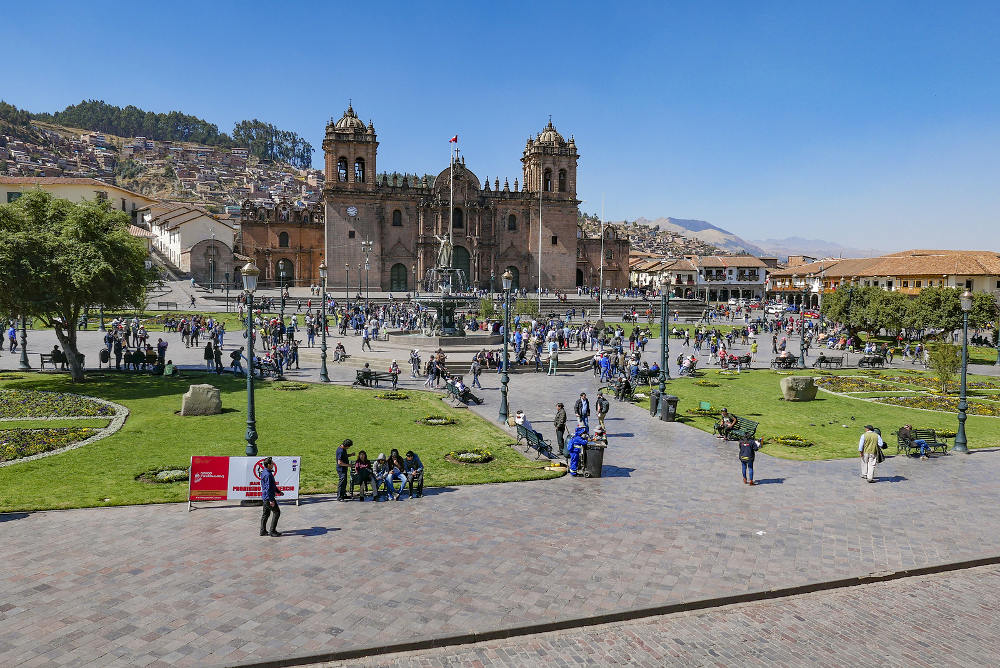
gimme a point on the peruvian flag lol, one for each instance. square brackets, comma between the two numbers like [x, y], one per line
[453, 139]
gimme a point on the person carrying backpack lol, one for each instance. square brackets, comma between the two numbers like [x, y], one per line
[603, 406]
[748, 449]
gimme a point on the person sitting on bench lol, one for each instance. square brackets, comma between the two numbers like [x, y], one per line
[725, 424]
[58, 357]
[339, 352]
[906, 434]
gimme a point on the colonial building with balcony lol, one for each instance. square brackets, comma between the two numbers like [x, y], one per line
[710, 278]
[907, 271]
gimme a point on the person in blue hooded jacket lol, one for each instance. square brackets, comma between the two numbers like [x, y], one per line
[576, 445]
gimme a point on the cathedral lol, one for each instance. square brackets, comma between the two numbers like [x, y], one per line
[494, 226]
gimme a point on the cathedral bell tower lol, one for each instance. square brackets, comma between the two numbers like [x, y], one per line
[350, 149]
[550, 164]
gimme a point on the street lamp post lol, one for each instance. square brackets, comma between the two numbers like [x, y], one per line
[366, 247]
[227, 292]
[414, 270]
[366, 283]
[347, 283]
[102, 319]
[961, 442]
[250, 273]
[24, 343]
[508, 279]
[664, 339]
[323, 376]
[281, 289]
[996, 327]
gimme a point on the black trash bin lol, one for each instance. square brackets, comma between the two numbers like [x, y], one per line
[595, 460]
[668, 407]
[654, 402]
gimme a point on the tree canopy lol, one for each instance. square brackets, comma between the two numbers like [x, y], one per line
[58, 257]
[131, 121]
[268, 142]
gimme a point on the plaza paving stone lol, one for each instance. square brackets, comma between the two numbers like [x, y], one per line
[670, 522]
[934, 620]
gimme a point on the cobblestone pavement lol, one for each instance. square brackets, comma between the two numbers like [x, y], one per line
[670, 522]
[936, 620]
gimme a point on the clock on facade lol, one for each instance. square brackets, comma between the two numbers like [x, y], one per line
[352, 211]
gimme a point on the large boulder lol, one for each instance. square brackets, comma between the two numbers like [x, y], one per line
[202, 400]
[798, 388]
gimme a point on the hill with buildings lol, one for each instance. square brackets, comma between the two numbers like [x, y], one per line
[651, 240]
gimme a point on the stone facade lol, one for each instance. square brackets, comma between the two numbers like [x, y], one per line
[616, 258]
[494, 226]
[283, 237]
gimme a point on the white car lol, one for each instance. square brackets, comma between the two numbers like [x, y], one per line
[775, 308]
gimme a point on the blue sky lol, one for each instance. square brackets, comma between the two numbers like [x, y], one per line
[869, 123]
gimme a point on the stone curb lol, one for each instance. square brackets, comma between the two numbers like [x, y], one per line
[614, 617]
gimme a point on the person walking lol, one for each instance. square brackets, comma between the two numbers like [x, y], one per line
[343, 466]
[209, 356]
[268, 491]
[870, 449]
[560, 424]
[582, 410]
[748, 449]
[553, 362]
[603, 406]
[476, 370]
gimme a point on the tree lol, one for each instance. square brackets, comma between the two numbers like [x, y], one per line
[945, 361]
[984, 310]
[938, 308]
[58, 257]
[853, 307]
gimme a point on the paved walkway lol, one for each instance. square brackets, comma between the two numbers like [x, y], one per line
[670, 522]
[934, 620]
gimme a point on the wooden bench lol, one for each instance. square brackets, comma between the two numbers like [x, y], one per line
[907, 446]
[743, 429]
[871, 361]
[166, 305]
[648, 377]
[532, 439]
[784, 362]
[46, 358]
[829, 362]
[465, 396]
[370, 378]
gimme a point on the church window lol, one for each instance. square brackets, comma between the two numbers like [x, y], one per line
[342, 170]
[547, 181]
[562, 180]
[397, 218]
[456, 219]
[512, 223]
[283, 240]
[350, 234]
[555, 240]
[609, 254]
[359, 170]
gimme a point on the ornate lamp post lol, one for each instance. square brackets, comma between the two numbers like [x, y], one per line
[961, 442]
[414, 270]
[281, 289]
[996, 326]
[366, 247]
[250, 273]
[360, 266]
[227, 292]
[322, 327]
[347, 283]
[508, 280]
[664, 338]
[24, 343]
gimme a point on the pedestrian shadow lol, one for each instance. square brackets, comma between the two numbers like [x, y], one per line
[624, 434]
[894, 478]
[608, 471]
[769, 481]
[10, 517]
[312, 531]
[434, 491]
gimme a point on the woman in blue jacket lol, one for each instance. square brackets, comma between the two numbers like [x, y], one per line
[575, 445]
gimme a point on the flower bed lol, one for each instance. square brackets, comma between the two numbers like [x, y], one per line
[845, 384]
[469, 456]
[163, 474]
[793, 440]
[32, 403]
[392, 396]
[943, 404]
[20, 443]
[705, 383]
[711, 412]
[436, 420]
[290, 385]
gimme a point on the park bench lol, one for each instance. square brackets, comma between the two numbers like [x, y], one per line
[744, 429]
[370, 378]
[784, 362]
[465, 396]
[167, 305]
[907, 446]
[829, 362]
[46, 358]
[871, 361]
[648, 377]
[532, 439]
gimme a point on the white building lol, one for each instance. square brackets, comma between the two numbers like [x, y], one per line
[192, 239]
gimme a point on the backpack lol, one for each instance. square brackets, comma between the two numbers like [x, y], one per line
[747, 449]
[602, 405]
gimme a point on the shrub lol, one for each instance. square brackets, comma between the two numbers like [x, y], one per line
[945, 361]
[470, 456]
[436, 420]
[392, 396]
[290, 385]
[163, 474]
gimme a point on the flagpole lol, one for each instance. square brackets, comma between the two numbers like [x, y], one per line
[451, 203]
[600, 288]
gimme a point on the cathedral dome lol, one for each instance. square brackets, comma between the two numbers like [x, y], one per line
[350, 122]
[550, 136]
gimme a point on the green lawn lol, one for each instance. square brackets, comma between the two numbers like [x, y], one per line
[756, 395]
[310, 423]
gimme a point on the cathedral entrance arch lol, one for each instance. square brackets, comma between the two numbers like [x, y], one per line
[515, 283]
[579, 277]
[460, 260]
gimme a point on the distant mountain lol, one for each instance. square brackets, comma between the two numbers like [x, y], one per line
[705, 231]
[813, 247]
